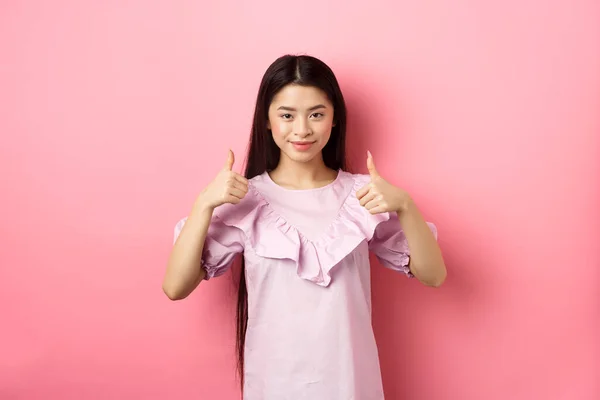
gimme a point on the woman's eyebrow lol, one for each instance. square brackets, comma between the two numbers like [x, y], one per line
[285, 108]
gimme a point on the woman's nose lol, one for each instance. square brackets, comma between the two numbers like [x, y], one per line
[301, 129]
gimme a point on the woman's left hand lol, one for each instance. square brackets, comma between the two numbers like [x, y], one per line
[380, 196]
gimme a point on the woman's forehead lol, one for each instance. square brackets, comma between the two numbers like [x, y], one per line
[300, 97]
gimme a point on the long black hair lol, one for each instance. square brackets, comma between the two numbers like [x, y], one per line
[263, 154]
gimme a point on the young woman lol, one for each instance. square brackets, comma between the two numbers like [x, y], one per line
[304, 226]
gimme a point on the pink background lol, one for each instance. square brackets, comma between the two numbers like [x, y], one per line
[114, 115]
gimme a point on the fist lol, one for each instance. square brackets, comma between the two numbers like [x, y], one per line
[379, 196]
[227, 187]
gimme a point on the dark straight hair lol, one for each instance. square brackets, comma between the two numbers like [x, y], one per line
[263, 154]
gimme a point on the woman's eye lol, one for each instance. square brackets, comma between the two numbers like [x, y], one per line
[286, 116]
[317, 115]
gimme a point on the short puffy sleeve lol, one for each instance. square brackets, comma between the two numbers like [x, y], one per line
[223, 243]
[390, 246]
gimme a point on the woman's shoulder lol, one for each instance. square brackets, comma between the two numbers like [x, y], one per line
[357, 178]
[353, 181]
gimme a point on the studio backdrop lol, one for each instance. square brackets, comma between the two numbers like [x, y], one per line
[115, 114]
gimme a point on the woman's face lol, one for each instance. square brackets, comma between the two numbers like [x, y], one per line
[300, 119]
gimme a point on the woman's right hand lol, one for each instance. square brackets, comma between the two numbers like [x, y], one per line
[227, 187]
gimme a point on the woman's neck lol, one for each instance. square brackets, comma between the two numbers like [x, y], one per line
[296, 175]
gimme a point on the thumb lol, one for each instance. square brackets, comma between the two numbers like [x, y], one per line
[371, 166]
[230, 161]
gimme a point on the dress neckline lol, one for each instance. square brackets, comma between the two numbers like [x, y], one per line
[271, 182]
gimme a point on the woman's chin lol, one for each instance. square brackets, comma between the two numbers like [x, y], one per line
[301, 156]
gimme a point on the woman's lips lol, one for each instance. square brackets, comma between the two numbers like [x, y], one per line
[302, 146]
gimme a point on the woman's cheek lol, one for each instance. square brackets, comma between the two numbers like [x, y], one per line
[278, 135]
[280, 130]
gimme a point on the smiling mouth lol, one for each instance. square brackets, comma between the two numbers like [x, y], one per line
[302, 146]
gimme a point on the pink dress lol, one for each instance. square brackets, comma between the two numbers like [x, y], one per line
[309, 330]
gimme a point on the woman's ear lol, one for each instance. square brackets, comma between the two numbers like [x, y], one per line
[268, 125]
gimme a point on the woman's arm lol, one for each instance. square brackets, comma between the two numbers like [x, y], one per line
[379, 196]
[184, 269]
[426, 261]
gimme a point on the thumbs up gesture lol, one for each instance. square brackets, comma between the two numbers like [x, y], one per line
[380, 196]
[227, 187]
